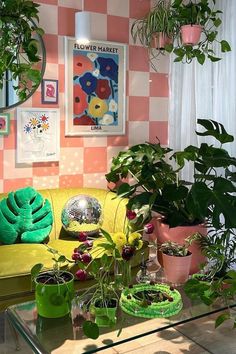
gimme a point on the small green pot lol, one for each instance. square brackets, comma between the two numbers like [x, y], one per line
[54, 300]
[105, 316]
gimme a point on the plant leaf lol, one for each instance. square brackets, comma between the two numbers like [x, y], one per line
[107, 236]
[220, 319]
[35, 270]
[225, 47]
[91, 329]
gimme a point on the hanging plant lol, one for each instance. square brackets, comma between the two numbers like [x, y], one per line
[155, 30]
[189, 29]
[197, 24]
[19, 45]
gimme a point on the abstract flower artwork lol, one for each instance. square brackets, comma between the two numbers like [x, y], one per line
[96, 88]
[38, 133]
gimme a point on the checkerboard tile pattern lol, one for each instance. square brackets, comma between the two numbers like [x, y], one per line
[85, 160]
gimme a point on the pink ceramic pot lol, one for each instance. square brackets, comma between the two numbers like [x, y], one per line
[176, 269]
[159, 40]
[190, 34]
[179, 234]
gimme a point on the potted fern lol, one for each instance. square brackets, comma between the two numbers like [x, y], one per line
[155, 30]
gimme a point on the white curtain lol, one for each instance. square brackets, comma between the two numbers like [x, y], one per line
[204, 91]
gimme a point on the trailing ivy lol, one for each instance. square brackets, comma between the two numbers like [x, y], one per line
[19, 47]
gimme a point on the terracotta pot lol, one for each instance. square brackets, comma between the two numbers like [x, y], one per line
[176, 269]
[190, 34]
[159, 40]
[179, 234]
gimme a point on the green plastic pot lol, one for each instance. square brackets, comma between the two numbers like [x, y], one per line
[105, 316]
[54, 300]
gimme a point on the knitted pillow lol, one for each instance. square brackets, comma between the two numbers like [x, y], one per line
[25, 217]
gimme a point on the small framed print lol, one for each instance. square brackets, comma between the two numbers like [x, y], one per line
[4, 123]
[38, 135]
[49, 91]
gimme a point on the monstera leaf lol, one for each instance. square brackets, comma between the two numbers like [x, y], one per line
[25, 217]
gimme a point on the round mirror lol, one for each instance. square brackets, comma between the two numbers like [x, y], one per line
[22, 52]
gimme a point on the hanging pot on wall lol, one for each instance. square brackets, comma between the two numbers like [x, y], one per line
[190, 34]
[160, 40]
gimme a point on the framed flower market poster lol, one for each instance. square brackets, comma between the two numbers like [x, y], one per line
[95, 88]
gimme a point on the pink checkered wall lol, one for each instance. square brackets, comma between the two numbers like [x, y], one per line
[85, 160]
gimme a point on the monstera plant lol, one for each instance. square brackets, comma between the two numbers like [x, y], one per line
[25, 217]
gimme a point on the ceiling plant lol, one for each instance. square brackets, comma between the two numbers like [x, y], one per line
[170, 21]
[20, 41]
[197, 23]
[156, 29]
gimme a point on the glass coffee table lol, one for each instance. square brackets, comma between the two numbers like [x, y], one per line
[45, 335]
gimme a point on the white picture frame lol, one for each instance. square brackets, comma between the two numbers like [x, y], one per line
[99, 108]
[38, 135]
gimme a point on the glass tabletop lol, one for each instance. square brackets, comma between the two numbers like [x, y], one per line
[44, 335]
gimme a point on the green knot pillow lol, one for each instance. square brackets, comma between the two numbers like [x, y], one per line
[25, 217]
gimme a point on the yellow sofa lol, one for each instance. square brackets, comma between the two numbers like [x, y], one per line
[17, 260]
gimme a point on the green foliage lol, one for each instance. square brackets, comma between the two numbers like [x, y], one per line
[60, 261]
[91, 329]
[159, 19]
[158, 188]
[220, 248]
[201, 13]
[19, 47]
[168, 17]
[175, 249]
[209, 291]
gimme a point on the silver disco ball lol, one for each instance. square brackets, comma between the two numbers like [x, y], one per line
[82, 213]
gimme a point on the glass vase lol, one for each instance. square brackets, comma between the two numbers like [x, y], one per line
[122, 273]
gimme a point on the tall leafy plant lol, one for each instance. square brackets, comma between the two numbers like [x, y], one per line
[157, 185]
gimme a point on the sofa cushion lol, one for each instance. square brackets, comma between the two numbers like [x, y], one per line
[25, 217]
[16, 263]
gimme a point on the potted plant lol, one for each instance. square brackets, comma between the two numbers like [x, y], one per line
[19, 45]
[211, 290]
[54, 289]
[101, 259]
[156, 29]
[197, 24]
[189, 29]
[177, 259]
[156, 185]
